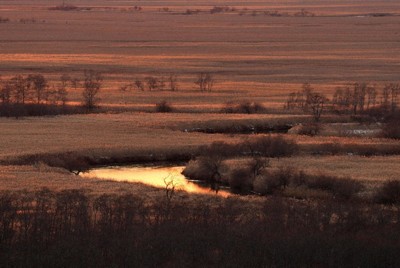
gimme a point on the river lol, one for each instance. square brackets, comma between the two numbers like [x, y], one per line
[156, 176]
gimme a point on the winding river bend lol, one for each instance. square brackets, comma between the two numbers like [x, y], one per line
[156, 176]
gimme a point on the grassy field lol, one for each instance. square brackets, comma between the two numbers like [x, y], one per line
[115, 136]
[258, 57]
[253, 56]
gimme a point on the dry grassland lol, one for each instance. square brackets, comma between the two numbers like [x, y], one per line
[34, 178]
[371, 169]
[108, 134]
[253, 57]
[119, 135]
[258, 57]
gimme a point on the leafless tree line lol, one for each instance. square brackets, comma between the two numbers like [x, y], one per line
[354, 99]
[36, 89]
[204, 82]
[153, 83]
[73, 228]
[33, 88]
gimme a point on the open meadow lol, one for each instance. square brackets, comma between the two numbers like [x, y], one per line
[251, 53]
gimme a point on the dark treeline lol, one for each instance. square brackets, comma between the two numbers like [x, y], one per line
[72, 229]
[33, 95]
[33, 109]
[359, 98]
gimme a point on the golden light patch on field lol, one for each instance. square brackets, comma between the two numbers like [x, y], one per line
[34, 178]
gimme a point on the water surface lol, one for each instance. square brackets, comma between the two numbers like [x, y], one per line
[156, 176]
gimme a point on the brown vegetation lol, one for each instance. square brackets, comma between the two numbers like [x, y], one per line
[163, 107]
[72, 228]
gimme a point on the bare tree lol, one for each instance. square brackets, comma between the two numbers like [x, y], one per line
[341, 98]
[316, 102]
[65, 78]
[291, 101]
[161, 83]
[51, 95]
[371, 96]
[173, 82]
[62, 94]
[39, 85]
[386, 97]
[337, 98]
[394, 90]
[362, 90]
[91, 88]
[355, 99]
[257, 165]
[139, 84]
[75, 83]
[307, 89]
[151, 82]
[299, 100]
[6, 92]
[170, 185]
[205, 82]
[347, 97]
[20, 88]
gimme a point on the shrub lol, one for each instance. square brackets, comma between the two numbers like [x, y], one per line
[205, 168]
[65, 7]
[163, 107]
[245, 107]
[72, 162]
[267, 183]
[271, 146]
[220, 148]
[4, 20]
[271, 181]
[340, 187]
[388, 193]
[217, 9]
[257, 165]
[310, 129]
[267, 146]
[391, 130]
[240, 179]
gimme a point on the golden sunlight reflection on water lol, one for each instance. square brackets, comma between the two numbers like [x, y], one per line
[153, 176]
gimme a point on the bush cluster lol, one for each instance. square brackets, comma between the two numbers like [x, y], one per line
[271, 181]
[335, 148]
[310, 129]
[388, 193]
[244, 107]
[255, 176]
[4, 20]
[163, 107]
[267, 146]
[32, 109]
[210, 162]
[391, 129]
